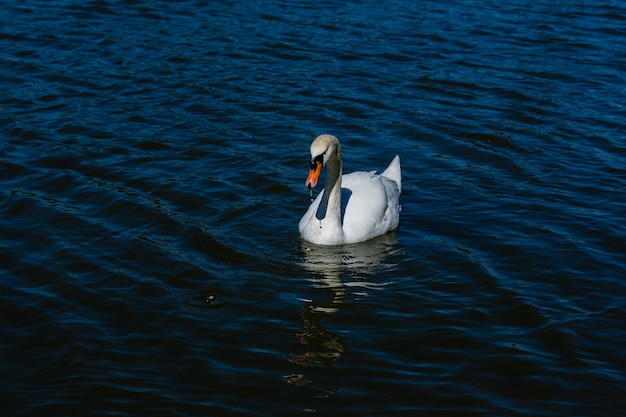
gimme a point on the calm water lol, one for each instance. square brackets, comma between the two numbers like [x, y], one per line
[153, 157]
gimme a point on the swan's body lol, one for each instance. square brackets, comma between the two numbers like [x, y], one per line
[354, 207]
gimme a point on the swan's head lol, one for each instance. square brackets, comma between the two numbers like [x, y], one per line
[323, 148]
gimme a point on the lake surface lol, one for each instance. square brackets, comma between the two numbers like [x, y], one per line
[153, 157]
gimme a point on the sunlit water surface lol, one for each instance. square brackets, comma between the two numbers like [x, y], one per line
[153, 157]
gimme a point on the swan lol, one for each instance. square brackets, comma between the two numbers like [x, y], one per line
[353, 207]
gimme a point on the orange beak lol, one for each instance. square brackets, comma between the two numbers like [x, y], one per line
[314, 174]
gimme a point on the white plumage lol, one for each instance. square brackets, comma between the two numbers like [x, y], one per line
[354, 207]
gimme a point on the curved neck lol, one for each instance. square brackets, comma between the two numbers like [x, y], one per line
[330, 206]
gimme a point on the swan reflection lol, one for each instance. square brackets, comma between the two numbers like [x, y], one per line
[334, 271]
[366, 257]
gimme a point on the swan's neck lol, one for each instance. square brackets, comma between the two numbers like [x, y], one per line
[329, 209]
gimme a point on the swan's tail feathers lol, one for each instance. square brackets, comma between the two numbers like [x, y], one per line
[393, 172]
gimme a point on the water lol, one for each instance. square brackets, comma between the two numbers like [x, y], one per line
[153, 161]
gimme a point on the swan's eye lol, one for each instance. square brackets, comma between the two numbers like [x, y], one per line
[314, 162]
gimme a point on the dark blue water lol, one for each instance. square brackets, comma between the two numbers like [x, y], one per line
[153, 157]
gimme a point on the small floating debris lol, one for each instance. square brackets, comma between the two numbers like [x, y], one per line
[208, 300]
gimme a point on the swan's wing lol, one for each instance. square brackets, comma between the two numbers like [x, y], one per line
[373, 206]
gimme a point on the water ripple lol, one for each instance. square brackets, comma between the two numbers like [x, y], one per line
[153, 160]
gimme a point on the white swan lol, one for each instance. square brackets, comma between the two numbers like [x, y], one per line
[354, 207]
